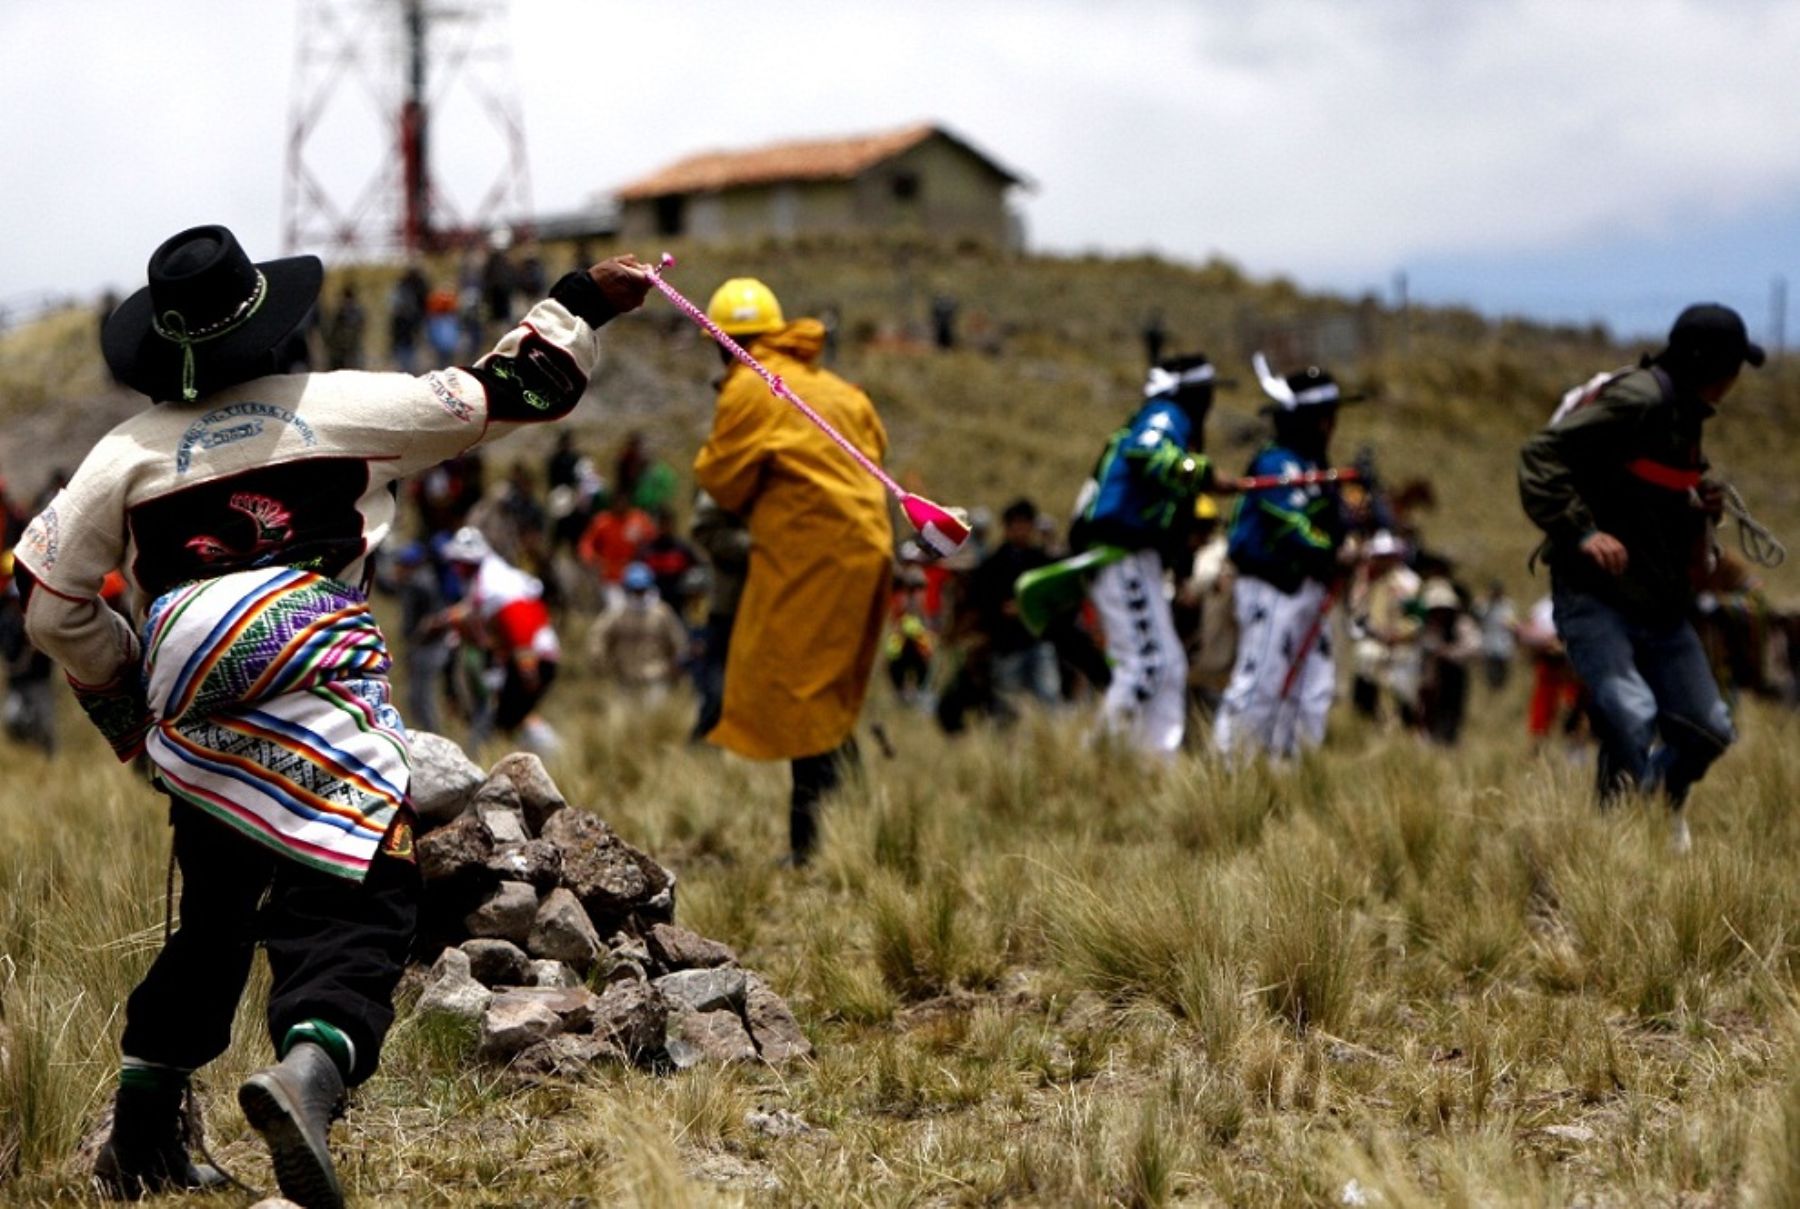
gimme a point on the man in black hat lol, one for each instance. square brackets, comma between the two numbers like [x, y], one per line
[1617, 483]
[242, 511]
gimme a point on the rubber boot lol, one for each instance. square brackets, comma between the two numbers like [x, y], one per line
[292, 1105]
[147, 1151]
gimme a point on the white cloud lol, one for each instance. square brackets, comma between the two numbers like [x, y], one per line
[1305, 136]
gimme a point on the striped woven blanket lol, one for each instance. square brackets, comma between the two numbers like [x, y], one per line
[269, 693]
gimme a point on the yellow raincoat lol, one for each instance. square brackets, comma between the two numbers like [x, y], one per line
[821, 551]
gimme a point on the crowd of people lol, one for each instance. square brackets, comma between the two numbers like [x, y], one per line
[202, 580]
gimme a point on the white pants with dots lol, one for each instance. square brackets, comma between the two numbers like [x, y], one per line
[1146, 703]
[1279, 695]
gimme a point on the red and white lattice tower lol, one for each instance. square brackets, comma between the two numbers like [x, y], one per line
[404, 131]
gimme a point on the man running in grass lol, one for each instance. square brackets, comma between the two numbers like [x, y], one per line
[1617, 483]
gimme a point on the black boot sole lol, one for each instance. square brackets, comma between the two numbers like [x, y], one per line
[303, 1171]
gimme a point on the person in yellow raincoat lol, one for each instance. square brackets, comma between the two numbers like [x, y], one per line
[821, 553]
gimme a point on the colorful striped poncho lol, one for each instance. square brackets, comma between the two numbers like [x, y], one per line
[268, 692]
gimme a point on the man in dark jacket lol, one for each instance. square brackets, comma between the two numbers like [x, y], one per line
[1617, 483]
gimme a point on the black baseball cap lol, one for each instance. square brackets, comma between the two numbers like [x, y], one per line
[1708, 334]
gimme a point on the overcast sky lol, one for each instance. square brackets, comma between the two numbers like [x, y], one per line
[1563, 158]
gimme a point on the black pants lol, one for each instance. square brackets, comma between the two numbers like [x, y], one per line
[336, 947]
[814, 778]
[517, 699]
[709, 673]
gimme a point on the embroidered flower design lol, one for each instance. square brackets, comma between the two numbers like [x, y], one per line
[273, 526]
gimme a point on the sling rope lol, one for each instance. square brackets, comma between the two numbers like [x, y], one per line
[1759, 545]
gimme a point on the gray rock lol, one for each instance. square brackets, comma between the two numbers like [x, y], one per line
[534, 861]
[496, 793]
[610, 877]
[573, 1005]
[778, 1036]
[563, 931]
[779, 1124]
[567, 1055]
[540, 973]
[506, 826]
[453, 989]
[633, 1017]
[513, 1023]
[459, 849]
[507, 914]
[628, 946]
[496, 963]
[660, 907]
[696, 1037]
[704, 990]
[680, 949]
[1569, 1133]
[538, 795]
[443, 779]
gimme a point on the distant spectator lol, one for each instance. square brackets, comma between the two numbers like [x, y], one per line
[669, 559]
[559, 468]
[725, 540]
[503, 609]
[1383, 626]
[28, 707]
[639, 645]
[1556, 693]
[442, 328]
[531, 279]
[12, 519]
[499, 280]
[1499, 634]
[423, 639]
[943, 321]
[1449, 641]
[633, 460]
[613, 540]
[1023, 663]
[344, 332]
[406, 319]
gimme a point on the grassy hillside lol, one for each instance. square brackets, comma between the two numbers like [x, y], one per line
[1038, 974]
[1052, 360]
[1034, 972]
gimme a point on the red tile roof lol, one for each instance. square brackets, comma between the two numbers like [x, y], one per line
[804, 159]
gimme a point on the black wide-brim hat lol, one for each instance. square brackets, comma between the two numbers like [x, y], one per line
[209, 318]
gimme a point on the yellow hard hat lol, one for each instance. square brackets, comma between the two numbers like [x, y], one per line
[745, 306]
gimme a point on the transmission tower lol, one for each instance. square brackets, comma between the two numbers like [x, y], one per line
[401, 111]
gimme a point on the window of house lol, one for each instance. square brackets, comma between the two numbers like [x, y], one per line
[905, 186]
[671, 214]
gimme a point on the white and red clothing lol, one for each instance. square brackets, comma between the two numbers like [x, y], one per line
[287, 471]
[510, 606]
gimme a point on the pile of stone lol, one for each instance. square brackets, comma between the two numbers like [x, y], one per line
[557, 939]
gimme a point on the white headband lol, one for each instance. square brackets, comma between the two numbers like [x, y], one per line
[1166, 382]
[1279, 390]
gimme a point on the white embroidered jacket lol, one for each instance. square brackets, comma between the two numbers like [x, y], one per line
[290, 470]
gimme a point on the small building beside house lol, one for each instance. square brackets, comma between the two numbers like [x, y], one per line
[921, 178]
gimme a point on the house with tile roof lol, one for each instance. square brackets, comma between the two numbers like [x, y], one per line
[919, 178]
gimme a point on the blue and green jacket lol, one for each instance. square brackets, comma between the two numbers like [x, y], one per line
[1285, 535]
[1143, 488]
